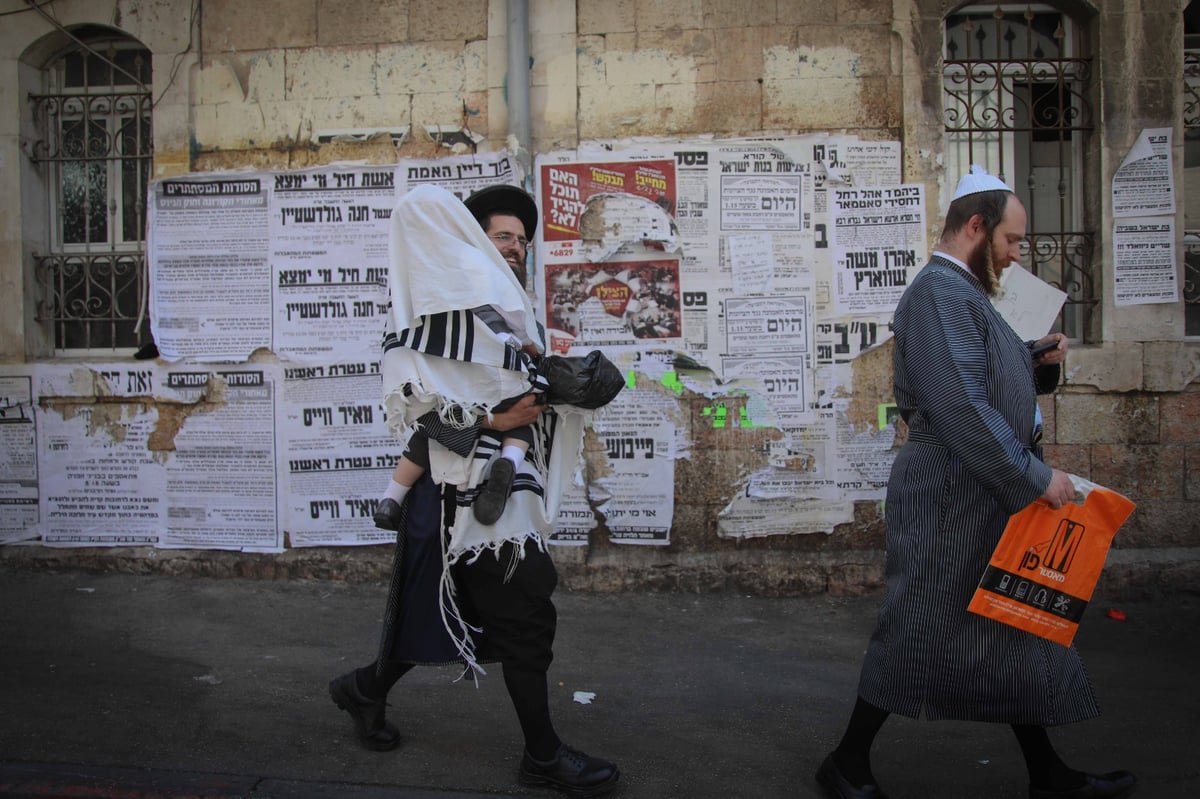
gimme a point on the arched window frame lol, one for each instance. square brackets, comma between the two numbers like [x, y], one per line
[92, 151]
[1018, 100]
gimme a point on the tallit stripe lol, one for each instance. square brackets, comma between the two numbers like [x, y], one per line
[456, 325]
[437, 334]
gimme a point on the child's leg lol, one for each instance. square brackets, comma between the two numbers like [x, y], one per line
[410, 467]
[412, 464]
[404, 477]
[515, 444]
[490, 502]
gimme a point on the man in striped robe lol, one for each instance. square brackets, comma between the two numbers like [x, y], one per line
[966, 384]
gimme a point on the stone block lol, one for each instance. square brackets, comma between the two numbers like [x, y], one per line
[378, 149]
[1147, 321]
[817, 55]
[868, 530]
[224, 126]
[720, 14]
[856, 578]
[712, 476]
[657, 15]
[1140, 472]
[1160, 523]
[170, 163]
[824, 103]
[553, 110]
[1133, 574]
[241, 78]
[605, 16]
[331, 72]
[447, 20]
[693, 525]
[839, 51]
[806, 12]
[643, 67]
[615, 111]
[589, 60]
[217, 82]
[863, 12]
[265, 75]
[547, 18]
[356, 112]
[1179, 418]
[1106, 418]
[260, 159]
[728, 107]
[689, 42]
[739, 51]
[554, 61]
[446, 108]
[432, 67]
[1111, 367]
[173, 97]
[675, 107]
[779, 579]
[1171, 365]
[361, 21]
[235, 25]
[1073, 458]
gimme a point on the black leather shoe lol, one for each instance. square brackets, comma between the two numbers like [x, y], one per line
[571, 772]
[387, 514]
[374, 731]
[1113, 785]
[490, 502]
[836, 786]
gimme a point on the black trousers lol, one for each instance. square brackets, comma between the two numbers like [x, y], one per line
[517, 615]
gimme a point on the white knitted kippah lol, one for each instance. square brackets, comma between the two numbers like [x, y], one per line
[978, 180]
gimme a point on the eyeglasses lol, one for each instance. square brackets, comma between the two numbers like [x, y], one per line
[508, 238]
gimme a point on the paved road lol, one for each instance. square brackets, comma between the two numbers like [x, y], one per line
[152, 686]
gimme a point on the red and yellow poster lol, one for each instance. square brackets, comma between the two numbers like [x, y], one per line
[566, 188]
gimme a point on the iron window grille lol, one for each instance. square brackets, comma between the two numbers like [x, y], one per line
[1017, 102]
[1191, 135]
[94, 151]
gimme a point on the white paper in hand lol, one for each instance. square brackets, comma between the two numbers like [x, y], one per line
[1029, 304]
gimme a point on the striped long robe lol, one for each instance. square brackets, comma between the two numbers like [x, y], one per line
[965, 381]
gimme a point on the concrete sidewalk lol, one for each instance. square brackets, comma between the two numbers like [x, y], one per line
[152, 686]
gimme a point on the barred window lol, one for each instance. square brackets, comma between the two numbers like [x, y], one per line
[1191, 168]
[1016, 90]
[93, 153]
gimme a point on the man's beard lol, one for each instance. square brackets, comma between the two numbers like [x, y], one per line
[982, 263]
[519, 271]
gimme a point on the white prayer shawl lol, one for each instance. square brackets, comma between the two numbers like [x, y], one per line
[439, 356]
[439, 259]
[416, 383]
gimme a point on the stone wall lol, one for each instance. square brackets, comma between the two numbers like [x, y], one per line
[254, 85]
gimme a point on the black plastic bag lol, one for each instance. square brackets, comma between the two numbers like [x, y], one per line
[590, 381]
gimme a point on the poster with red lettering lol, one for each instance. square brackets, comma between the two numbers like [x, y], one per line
[566, 188]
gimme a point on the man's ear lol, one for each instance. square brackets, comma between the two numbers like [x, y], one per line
[976, 225]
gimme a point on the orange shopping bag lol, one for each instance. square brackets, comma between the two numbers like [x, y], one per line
[1046, 565]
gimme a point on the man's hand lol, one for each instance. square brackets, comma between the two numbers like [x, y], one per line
[1056, 355]
[525, 412]
[1060, 491]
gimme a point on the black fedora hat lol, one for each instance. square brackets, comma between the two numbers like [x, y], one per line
[505, 199]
